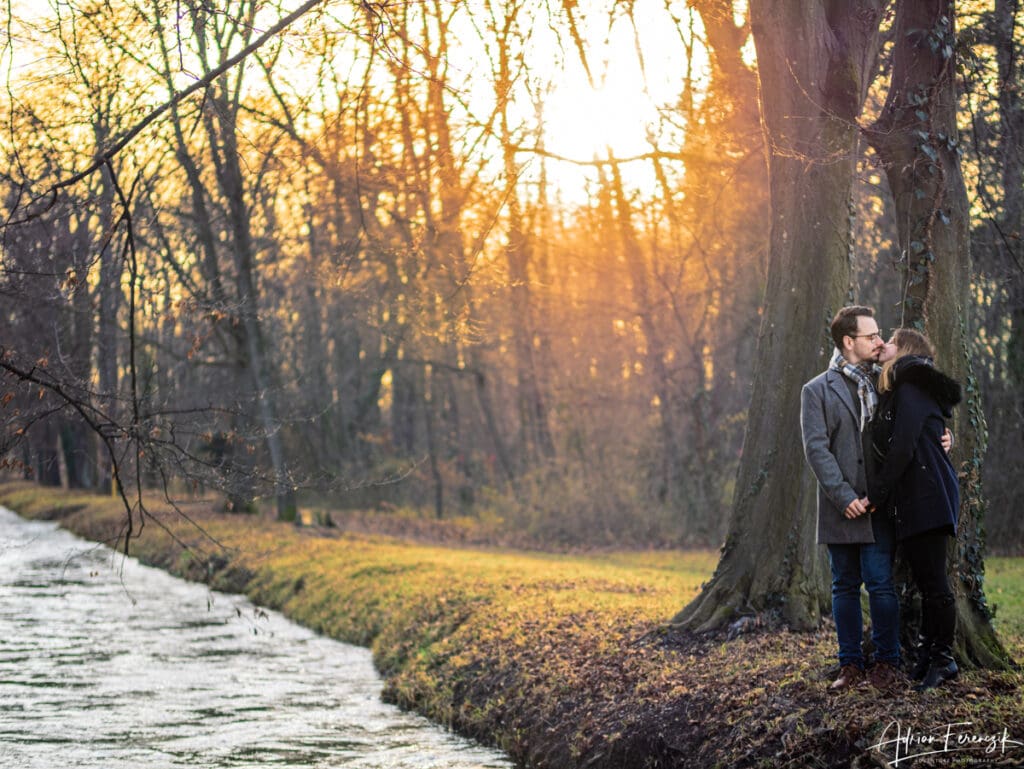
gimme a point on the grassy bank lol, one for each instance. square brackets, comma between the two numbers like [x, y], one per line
[562, 661]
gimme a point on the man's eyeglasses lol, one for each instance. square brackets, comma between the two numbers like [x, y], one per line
[875, 335]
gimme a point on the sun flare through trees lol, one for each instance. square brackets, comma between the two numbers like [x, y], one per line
[494, 259]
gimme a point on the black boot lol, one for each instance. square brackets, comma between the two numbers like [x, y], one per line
[940, 614]
[942, 667]
[922, 657]
[923, 649]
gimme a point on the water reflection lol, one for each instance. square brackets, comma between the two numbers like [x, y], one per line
[107, 663]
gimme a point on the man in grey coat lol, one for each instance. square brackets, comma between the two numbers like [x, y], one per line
[836, 407]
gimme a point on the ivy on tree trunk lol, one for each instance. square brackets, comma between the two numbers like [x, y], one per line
[916, 140]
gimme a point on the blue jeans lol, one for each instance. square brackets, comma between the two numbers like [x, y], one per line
[870, 565]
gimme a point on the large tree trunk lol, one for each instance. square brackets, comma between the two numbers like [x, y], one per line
[916, 139]
[815, 61]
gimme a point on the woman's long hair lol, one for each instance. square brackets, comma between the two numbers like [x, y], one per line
[908, 342]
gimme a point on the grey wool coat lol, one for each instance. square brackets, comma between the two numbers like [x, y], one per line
[830, 423]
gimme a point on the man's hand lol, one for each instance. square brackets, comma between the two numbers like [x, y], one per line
[856, 508]
[947, 440]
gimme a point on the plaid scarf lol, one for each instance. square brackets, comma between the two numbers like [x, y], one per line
[863, 375]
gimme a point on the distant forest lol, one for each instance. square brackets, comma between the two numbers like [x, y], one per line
[406, 256]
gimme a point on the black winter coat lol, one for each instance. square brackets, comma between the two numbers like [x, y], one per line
[915, 482]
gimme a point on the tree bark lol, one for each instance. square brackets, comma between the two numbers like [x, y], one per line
[815, 61]
[916, 139]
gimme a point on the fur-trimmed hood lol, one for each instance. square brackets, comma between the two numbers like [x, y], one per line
[920, 371]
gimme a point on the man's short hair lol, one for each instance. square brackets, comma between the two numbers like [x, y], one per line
[845, 322]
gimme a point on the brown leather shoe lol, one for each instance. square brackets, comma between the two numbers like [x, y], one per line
[882, 676]
[849, 677]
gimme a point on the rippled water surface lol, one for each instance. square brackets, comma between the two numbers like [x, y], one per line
[107, 663]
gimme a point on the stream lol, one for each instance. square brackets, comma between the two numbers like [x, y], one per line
[107, 663]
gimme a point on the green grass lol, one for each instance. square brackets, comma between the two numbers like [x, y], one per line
[1004, 589]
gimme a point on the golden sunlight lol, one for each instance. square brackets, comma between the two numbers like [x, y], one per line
[611, 105]
[616, 116]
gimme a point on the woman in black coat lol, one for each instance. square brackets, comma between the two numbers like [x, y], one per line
[917, 485]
